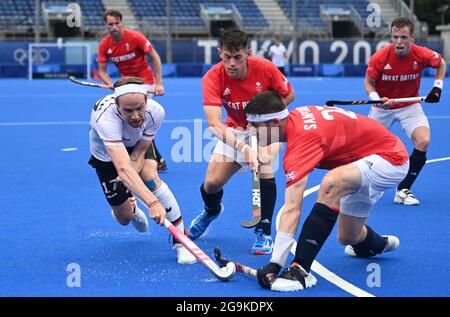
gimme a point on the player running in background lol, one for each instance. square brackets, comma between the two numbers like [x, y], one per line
[394, 72]
[231, 84]
[128, 50]
[364, 160]
[122, 128]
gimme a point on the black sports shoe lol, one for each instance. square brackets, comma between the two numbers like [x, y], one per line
[267, 274]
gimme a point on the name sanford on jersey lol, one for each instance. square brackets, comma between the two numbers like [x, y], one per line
[309, 120]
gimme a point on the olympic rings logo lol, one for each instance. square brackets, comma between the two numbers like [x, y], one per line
[21, 56]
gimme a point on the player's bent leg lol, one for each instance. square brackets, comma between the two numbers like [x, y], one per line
[377, 175]
[173, 214]
[130, 212]
[421, 139]
[362, 240]
[263, 242]
[152, 153]
[122, 213]
[339, 182]
[149, 171]
[220, 170]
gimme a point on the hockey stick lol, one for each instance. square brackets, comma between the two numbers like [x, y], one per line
[239, 267]
[223, 273]
[331, 103]
[256, 194]
[90, 84]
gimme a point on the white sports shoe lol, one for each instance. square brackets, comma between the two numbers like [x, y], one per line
[293, 278]
[405, 197]
[139, 220]
[392, 244]
[183, 255]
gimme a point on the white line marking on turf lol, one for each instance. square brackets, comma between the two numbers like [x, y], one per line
[68, 149]
[438, 160]
[323, 271]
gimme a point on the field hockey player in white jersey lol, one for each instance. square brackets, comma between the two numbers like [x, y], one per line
[122, 127]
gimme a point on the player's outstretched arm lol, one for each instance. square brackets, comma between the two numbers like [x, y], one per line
[134, 183]
[293, 198]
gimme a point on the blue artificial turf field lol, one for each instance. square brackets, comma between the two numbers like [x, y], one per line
[54, 212]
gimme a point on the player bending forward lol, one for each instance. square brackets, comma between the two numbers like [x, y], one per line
[364, 160]
[122, 127]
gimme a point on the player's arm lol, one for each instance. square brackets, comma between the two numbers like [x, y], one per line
[134, 183]
[156, 62]
[102, 72]
[289, 98]
[214, 119]
[138, 154]
[435, 94]
[280, 85]
[293, 198]
[369, 86]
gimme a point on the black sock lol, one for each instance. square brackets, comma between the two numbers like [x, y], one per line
[373, 244]
[268, 199]
[416, 161]
[212, 201]
[315, 231]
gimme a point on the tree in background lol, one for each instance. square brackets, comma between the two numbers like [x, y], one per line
[426, 10]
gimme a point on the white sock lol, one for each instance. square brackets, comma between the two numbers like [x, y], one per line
[167, 199]
[281, 247]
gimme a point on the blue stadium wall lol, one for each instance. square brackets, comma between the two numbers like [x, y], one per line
[193, 58]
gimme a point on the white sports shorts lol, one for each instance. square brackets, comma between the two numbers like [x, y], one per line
[377, 176]
[409, 117]
[222, 148]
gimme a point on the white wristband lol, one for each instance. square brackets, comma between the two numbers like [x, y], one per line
[439, 83]
[374, 96]
[244, 147]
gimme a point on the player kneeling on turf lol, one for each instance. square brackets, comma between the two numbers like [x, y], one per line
[364, 160]
[122, 128]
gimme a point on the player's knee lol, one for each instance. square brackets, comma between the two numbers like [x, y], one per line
[123, 212]
[149, 169]
[212, 185]
[328, 187]
[122, 215]
[422, 144]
